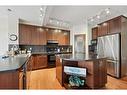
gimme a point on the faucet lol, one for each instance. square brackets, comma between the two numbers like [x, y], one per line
[14, 47]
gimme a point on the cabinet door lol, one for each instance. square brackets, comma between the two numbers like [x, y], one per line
[94, 33]
[28, 72]
[34, 36]
[61, 38]
[59, 70]
[42, 36]
[67, 38]
[49, 35]
[41, 61]
[33, 62]
[64, 38]
[103, 29]
[24, 34]
[115, 25]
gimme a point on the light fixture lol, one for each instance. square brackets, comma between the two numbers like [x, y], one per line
[104, 24]
[98, 16]
[41, 15]
[65, 33]
[47, 29]
[107, 10]
[59, 31]
[50, 21]
[57, 22]
[103, 14]
[41, 9]
[92, 20]
[56, 31]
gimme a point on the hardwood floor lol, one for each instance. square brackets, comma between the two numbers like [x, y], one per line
[114, 83]
[46, 79]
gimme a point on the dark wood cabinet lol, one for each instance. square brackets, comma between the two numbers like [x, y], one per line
[50, 34]
[114, 25]
[28, 72]
[35, 35]
[63, 38]
[25, 34]
[39, 61]
[42, 36]
[94, 32]
[97, 73]
[13, 79]
[103, 29]
[59, 69]
[108, 27]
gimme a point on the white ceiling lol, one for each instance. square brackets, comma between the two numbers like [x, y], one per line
[71, 14]
[30, 14]
[76, 14]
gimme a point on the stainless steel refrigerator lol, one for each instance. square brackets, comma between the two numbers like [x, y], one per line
[109, 46]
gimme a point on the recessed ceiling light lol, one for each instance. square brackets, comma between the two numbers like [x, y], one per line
[98, 16]
[41, 15]
[107, 11]
[104, 24]
[50, 21]
[41, 9]
[57, 22]
[92, 20]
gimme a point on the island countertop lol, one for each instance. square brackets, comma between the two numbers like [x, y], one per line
[78, 57]
[13, 62]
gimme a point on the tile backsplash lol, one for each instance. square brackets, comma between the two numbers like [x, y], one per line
[41, 48]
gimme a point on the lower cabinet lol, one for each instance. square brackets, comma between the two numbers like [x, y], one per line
[39, 61]
[59, 70]
[28, 72]
[11, 79]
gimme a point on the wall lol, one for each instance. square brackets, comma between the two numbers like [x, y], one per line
[8, 25]
[81, 28]
[3, 34]
[13, 27]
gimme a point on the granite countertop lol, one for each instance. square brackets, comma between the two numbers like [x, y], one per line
[13, 62]
[78, 57]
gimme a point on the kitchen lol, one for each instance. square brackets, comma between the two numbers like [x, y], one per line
[50, 49]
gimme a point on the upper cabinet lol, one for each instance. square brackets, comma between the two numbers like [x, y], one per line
[94, 32]
[103, 29]
[114, 25]
[108, 27]
[35, 35]
[25, 34]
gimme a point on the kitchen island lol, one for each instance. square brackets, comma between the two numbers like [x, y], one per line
[96, 69]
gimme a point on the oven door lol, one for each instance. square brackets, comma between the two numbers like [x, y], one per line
[51, 60]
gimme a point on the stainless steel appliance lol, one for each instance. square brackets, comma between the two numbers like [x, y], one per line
[109, 47]
[93, 46]
[51, 49]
